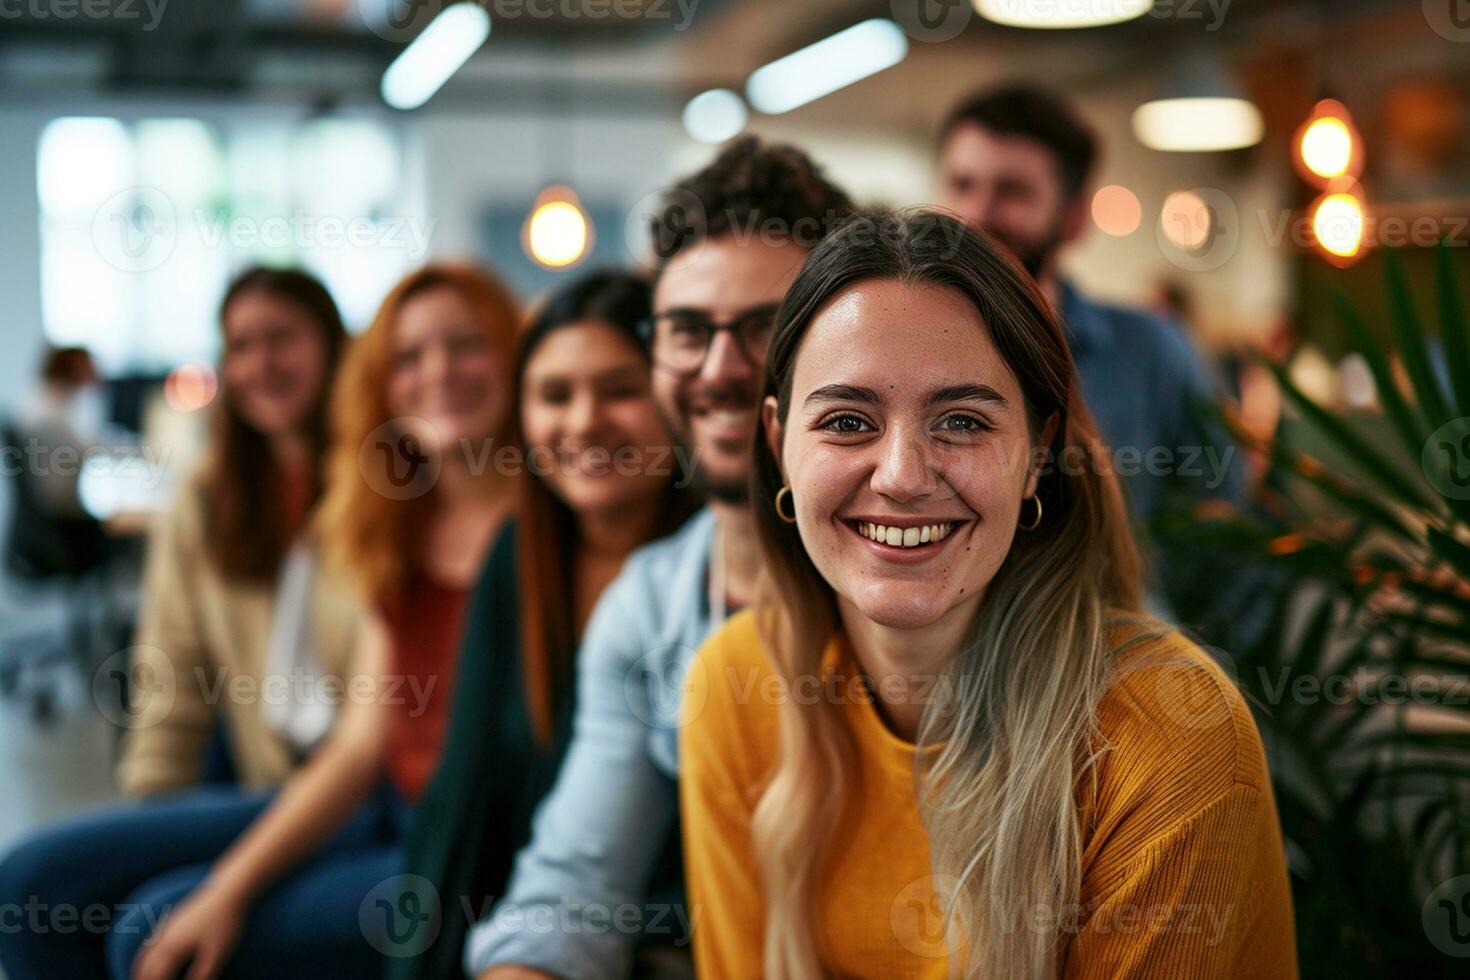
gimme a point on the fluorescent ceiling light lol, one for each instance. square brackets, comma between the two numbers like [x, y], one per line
[714, 116]
[1198, 124]
[1061, 14]
[435, 55]
[823, 68]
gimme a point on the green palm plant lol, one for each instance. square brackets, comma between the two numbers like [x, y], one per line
[1347, 625]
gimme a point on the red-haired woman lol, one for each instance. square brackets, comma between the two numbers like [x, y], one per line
[411, 506]
[600, 481]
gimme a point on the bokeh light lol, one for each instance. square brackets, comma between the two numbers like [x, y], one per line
[1327, 145]
[1116, 211]
[1338, 222]
[715, 116]
[1186, 220]
[558, 233]
[190, 387]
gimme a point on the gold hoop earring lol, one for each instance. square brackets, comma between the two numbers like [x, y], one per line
[785, 491]
[1036, 521]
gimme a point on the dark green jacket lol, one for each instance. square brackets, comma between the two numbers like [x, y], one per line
[476, 813]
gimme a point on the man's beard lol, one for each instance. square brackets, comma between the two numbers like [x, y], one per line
[731, 491]
[725, 490]
[1035, 255]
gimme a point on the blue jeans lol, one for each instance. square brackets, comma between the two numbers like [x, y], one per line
[80, 898]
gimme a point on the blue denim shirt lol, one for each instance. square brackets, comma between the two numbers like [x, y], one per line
[1139, 374]
[599, 833]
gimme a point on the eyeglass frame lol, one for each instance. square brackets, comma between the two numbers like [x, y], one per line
[648, 331]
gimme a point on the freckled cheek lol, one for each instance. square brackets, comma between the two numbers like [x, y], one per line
[986, 478]
[822, 480]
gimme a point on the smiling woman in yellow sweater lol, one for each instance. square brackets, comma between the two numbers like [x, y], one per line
[946, 741]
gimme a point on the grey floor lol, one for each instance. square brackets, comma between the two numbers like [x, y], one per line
[56, 747]
[52, 762]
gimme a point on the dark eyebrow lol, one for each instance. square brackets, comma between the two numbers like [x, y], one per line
[770, 307]
[953, 393]
[967, 392]
[630, 372]
[843, 393]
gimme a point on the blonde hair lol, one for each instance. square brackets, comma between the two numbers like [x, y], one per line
[364, 533]
[1013, 725]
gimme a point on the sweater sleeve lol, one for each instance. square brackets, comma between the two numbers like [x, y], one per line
[717, 799]
[1200, 900]
[168, 715]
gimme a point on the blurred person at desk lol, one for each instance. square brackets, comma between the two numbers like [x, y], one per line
[229, 592]
[62, 419]
[59, 426]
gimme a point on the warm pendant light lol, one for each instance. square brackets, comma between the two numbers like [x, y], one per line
[1051, 15]
[1199, 109]
[1327, 145]
[557, 233]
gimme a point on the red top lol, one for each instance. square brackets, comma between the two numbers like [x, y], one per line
[293, 483]
[424, 627]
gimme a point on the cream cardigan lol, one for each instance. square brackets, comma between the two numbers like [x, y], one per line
[200, 659]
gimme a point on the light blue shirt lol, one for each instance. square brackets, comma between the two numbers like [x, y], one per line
[600, 832]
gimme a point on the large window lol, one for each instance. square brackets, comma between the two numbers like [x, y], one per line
[143, 223]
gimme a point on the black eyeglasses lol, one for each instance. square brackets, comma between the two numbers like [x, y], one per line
[680, 339]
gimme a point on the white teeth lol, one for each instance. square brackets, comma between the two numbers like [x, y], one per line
[727, 417]
[905, 537]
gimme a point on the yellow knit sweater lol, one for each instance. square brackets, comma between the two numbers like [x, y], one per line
[1183, 871]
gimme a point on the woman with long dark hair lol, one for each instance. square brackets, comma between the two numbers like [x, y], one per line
[599, 480]
[947, 741]
[211, 588]
[211, 618]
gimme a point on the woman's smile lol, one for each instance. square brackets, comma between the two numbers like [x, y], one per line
[904, 539]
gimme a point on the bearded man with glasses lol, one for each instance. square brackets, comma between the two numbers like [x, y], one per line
[605, 841]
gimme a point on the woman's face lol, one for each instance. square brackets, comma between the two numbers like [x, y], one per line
[274, 363]
[907, 450]
[591, 428]
[446, 373]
